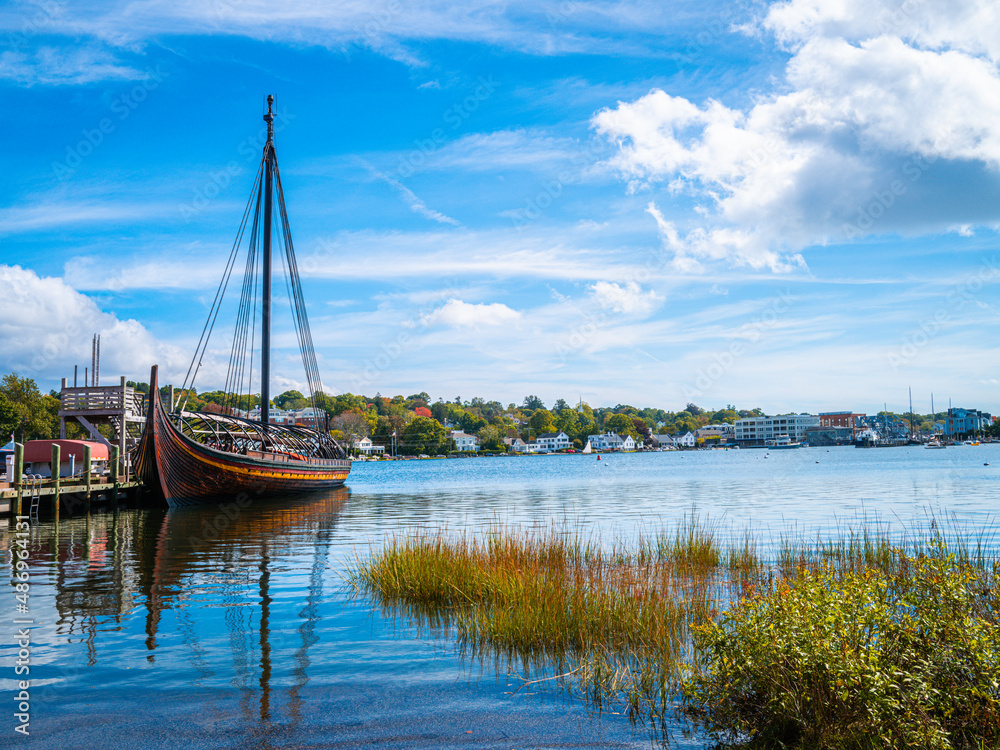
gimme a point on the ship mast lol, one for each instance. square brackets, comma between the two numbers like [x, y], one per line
[265, 335]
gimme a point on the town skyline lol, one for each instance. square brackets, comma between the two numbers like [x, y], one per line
[782, 205]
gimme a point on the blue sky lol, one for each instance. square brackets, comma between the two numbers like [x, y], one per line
[789, 205]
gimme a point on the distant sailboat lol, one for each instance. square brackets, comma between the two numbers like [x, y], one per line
[587, 448]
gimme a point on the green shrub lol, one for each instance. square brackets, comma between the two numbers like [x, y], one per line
[861, 659]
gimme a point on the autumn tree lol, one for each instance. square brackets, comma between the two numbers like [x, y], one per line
[33, 420]
[641, 430]
[568, 421]
[352, 424]
[8, 418]
[424, 435]
[491, 438]
[532, 402]
[620, 424]
[541, 422]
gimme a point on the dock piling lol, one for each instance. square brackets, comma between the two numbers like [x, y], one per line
[114, 471]
[86, 468]
[19, 473]
[55, 466]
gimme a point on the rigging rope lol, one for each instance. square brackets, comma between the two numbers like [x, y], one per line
[213, 313]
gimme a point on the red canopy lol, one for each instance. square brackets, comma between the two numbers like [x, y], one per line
[40, 451]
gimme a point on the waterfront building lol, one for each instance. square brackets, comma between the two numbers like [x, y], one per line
[961, 421]
[515, 443]
[755, 431]
[274, 416]
[628, 443]
[553, 441]
[687, 440]
[365, 445]
[314, 419]
[842, 419]
[722, 431]
[464, 442]
[606, 441]
[830, 435]
[663, 441]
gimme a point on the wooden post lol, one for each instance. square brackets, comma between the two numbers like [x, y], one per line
[19, 473]
[123, 435]
[86, 467]
[62, 420]
[114, 472]
[55, 465]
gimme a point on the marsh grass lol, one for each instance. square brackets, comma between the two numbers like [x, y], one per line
[661, 623]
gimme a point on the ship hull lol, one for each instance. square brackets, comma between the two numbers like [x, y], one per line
[188, 473]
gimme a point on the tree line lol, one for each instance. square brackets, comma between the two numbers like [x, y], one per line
[413, 424]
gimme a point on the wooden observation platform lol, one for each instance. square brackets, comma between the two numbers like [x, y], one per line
[119, 406]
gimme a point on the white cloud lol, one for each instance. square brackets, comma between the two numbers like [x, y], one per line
[865, 134]
[458, 314]
[628, 299]
[46, 328]
[92, 273]
[969, 26]
[546, 27]
[509, 149]
[50, 214]
[416, 205]
[64, 67]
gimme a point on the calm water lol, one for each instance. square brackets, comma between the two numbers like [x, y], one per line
[184, 628]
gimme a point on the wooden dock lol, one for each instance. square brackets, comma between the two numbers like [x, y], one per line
[27, 495]
[71, 494]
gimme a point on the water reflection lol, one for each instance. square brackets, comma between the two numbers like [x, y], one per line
[189, 565]
[230, 626]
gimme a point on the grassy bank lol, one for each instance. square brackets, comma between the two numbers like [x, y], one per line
[859, 642]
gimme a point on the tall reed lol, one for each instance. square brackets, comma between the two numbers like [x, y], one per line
[622, 623]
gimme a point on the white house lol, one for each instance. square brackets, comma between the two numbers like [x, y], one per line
[553, 441]
[687, 440]
[533, 448]
[628, 443]
[516, 443]
[606, 441]
[464, 442]
[364, 445]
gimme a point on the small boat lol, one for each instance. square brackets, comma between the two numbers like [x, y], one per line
[194, 458]
[587, 448]
[934, 443]
[780, 442]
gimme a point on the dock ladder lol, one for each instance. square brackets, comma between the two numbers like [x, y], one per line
[35, 497]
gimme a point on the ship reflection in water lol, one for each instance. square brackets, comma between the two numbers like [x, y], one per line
[233, 627]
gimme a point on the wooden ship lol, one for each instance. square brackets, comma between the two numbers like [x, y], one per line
[194, 458]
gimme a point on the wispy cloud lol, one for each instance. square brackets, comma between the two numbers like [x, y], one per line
[50, 215]
[550, 27]
[415, 203]
[64, 67]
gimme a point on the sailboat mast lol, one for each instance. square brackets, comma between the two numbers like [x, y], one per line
[265, 335]
[910, 389]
